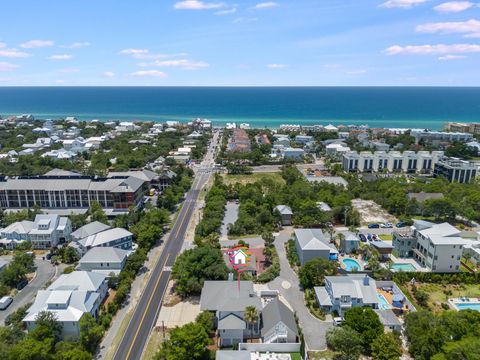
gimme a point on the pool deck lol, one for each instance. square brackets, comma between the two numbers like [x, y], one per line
[357, 258]
[410, 261]
[389, 296]
[453, 302]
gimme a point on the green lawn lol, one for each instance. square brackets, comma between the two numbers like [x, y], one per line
[322, 355]
[386, 237]
[252, 178]
[440, 293]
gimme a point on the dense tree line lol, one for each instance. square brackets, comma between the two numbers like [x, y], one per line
[15, 272]
[391, 193]
[449, 335]
[258, 201]
[362, 333]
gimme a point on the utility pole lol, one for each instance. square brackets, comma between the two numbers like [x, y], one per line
[347, 209]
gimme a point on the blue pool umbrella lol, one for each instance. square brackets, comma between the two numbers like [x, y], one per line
[397, 304]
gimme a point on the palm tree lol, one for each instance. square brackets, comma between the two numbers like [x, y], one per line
[251, 318]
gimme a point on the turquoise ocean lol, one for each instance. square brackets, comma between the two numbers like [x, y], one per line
[409, 107]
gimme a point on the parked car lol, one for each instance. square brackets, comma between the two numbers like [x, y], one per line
[21, 284]
[5, 302]
[369, 237]
[373, 226]
[337, 321]
[401, 224]
[374, 237]
[386, 225]
[362, 237]
[49, 256]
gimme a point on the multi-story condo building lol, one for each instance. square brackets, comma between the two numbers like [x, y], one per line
[440, 136]
[72, 191]
[437, 247]
[473, 128]
[455, 170]
[392, 161]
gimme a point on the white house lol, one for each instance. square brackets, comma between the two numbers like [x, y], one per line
[229, 303]
[437, 247]
[69, 298]
[49, 230]
[116, 237]
[15, 233]
[341, 293]
[104, 260]
[278, 322]
[89, 229]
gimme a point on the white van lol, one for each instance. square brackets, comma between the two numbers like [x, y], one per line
[5, 302]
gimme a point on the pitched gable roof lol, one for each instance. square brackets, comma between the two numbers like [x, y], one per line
[275, 312]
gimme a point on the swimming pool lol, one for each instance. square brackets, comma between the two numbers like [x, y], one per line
[383, 303]
[403, 267]
[468, 306]
[351, 265]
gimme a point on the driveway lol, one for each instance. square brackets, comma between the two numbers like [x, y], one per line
[256, 242]
[231, 215]
[45, 272]
[287, 284]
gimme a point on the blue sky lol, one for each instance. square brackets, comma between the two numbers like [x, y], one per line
[240, 43]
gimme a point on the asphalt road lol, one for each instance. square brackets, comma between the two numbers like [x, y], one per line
[148, 308]
[44, 273]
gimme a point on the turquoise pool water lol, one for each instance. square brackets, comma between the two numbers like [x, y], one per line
[403, 267]
[383, 303]
[351, 265]
[467, 305]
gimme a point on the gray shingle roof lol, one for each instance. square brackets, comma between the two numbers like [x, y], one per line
[284, 209]
[231, 322]
[388, 318]
[312, 239]
[225, 296]
[354, 285]
[275, 312]
[104, 255]
[232, 355]
[90, 229]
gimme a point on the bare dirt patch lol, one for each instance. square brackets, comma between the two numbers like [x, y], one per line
[371, 212]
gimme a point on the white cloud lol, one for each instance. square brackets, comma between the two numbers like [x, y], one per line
[33, 44]
[266, 5]
[226, 12]
[277, 66]
[60, 57]
[76, 45]
[470, 28]
[405, 4]
[4, 66]
[60, 81]
[245, 20]
[451, 57]
[454, 6]
[197, 5]
[357, 72]
[149, 73]
[2, 45]
[133, 51]
[145, 54]
[109, 74]
[438, 49]
[69, 71]
[13, 53]
[180, 63]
